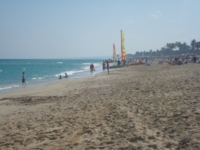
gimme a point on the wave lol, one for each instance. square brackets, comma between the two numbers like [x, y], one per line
[95, 64]
[69, 73]
[38, 78]
[78, 71]
[73, 72]
[14, 86]
[86, 63]
[9, 87]
[88, 67]
[4, 88]
[59, 62]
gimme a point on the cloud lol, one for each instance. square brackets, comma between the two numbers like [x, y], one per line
[158, 12]
[127, 22]
[156, 15]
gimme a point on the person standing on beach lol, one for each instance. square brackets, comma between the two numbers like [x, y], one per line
[91, 68]
[108, 67]
[118, 62]
[146, 60]
[23, 78]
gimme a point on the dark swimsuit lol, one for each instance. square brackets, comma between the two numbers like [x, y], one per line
[23, 79]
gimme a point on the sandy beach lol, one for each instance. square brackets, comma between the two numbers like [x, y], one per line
[133, 108]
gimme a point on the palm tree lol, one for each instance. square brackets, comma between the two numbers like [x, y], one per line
[171, 46]
[168, 45]
[178, 44]
[197, 46]
[184, 46]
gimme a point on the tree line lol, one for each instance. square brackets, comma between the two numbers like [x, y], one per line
[170, 49]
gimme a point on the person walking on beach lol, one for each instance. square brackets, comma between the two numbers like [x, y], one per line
[108, 67]
[23, 78]
[92, 68]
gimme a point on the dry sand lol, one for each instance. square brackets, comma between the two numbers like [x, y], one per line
[136, 107]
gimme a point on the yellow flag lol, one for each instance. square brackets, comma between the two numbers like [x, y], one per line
[123, 50]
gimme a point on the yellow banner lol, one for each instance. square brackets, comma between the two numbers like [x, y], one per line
[123, 50]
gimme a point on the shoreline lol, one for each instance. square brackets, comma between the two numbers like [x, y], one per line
[19, 91]
[135, 107]
[13, 87]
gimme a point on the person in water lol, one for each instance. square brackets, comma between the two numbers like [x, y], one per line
[60, 77]
[66, 76]
[92, 68]
[23, 78]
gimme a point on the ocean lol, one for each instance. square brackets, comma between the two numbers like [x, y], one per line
[42, 71]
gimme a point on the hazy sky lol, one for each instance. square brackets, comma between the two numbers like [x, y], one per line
[87, 28]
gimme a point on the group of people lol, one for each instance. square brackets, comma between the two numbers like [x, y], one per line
[105, 66]
[66, 76]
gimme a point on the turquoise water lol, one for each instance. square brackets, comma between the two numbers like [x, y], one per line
[42, 71]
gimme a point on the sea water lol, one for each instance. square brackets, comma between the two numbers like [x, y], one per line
[42, 71]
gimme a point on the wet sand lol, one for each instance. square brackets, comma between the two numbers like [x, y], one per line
[135, 107]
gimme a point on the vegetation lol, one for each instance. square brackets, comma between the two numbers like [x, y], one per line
[172, 49]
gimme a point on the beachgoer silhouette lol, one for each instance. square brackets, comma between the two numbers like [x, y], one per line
[92, 68]
[23, 78]
[118, 62]
[66, 76]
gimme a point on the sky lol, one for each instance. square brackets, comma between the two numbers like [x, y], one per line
[88, 28]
